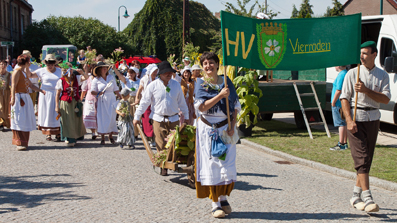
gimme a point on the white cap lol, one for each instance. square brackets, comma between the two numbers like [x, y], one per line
[196, 67]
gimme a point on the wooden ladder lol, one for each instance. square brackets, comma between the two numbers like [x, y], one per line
[318, 108]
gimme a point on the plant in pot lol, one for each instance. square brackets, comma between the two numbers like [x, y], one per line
[249, 93]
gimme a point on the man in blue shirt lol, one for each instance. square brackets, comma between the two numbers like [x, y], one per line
[336, 106]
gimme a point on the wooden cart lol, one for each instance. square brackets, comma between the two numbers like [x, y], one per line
[176, 162]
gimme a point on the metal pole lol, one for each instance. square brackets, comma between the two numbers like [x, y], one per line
[119, 19]
[381, 7]
[266, 7]
[183, 27]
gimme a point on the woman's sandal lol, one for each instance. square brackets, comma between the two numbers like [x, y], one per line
[48, 138]
[112, 140]
[102, 142]
[57, 138]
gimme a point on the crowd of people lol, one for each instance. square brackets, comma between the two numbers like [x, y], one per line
[117, 101]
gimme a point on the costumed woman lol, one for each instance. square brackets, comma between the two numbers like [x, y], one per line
[126, 134]
[70, 107]
[5, 94]
[104, 87]
[49, 77]
[132, 83]
[150, 76]
[23, 119]
[90, 105]
[215, 176]
[187, 85]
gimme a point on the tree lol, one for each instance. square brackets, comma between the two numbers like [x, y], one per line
[242, 9]
[337, 10]
[295, 12]
[157, 28]
[305, 10]
[41, 33]
[83, 32]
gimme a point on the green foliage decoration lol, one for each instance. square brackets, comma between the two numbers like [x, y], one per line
[248, 91]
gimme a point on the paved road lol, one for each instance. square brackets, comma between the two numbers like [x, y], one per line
[92, 183]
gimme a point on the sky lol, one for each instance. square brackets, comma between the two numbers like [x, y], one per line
[107, 10]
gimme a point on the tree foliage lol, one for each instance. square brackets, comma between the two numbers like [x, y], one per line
[41, 33]
[336, 10]
[83, 32]
[305, 10]
[157, 28]
[295, 12]
[243, 9]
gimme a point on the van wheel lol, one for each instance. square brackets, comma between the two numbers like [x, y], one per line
[312, 116]
[267, 116]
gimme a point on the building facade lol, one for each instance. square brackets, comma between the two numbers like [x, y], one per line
[15, 16]
[370, 7]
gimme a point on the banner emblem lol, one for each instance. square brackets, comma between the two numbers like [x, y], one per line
[271, 43]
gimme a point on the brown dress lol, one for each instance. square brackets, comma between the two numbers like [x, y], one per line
[5, 96]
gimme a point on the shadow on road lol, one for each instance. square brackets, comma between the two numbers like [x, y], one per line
[299, 216]
[246, 186]
[255, 175]
[15, 191]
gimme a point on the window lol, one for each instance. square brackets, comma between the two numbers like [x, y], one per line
[387, 48]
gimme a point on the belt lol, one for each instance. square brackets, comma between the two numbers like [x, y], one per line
[366, 108]
[216, 125]
[167, 116]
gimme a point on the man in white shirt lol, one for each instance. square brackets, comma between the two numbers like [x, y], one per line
[166, 99]
[373, 89]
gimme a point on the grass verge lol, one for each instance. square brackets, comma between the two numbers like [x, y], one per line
[287, 138]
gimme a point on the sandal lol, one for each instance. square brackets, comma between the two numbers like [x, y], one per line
[57, 138]
[48, 138]
[226, 207]
[112, 140]
[102, 142]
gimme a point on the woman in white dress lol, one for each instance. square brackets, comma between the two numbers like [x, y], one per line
[23, 119]
[104, 87]
[47, 116]
[215, 176]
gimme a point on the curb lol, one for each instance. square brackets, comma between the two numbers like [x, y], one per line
[319, 166]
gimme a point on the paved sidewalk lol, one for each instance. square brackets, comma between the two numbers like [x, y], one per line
[92, 183]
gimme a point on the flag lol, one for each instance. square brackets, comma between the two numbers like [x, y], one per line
[290, 44]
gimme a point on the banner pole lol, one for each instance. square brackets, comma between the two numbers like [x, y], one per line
[356, 96]
[227, 99]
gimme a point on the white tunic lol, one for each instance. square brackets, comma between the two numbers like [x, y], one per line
[46, 114]
[107, 103]
[22, 117]
[212, 171]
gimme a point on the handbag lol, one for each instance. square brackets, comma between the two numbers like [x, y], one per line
[218, 148]
[79, 109]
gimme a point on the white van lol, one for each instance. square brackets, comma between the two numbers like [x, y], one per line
[383, 30]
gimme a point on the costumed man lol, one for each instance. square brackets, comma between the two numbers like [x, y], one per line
[373, 89]
[166, 99]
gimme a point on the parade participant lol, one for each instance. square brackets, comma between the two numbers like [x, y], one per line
[126, 134]
[123, 67]
[152, 71]
[5, 94]
[81, 57]
[215, 177]
[336, 106]
[90, 105]
[132, 83]
[166, 97]
[22, 114]
[71, 113]
[186, 62]
[137, 65]
[9, 67]
[187, 86]
[373, 89]
[196, 72]
[176, 77]
[49, 76]
[104, 87]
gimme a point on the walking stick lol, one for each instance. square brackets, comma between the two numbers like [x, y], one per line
[355, 101]
[227, 100]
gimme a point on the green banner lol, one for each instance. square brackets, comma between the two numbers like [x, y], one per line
[290, 44]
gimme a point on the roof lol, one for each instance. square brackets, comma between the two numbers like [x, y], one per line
[392, 2]
[27, 4]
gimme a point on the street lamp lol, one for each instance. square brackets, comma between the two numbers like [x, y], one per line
[125, 14]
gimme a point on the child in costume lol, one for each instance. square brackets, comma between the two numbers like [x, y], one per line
[126, 133]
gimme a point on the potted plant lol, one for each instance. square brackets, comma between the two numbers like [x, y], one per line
[249, 93]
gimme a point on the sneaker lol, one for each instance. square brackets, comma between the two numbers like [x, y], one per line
[338, 147]
[346, 146]
[357, 203]
[152, 144]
